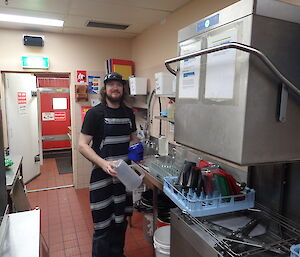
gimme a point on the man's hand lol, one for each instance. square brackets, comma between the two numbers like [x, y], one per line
[108, 167]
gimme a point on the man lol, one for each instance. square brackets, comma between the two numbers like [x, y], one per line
[111, 126]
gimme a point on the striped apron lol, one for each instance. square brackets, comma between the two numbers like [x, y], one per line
[108, 198]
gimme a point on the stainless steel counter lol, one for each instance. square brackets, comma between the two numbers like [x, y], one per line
[13, 171]
[20, 235]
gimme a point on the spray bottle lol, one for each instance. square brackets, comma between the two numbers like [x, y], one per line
[171, 109]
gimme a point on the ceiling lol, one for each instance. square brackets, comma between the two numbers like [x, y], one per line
[138, 14]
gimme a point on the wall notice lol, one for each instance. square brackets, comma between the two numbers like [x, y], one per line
[189, 76]
[47, 116]
[84, 110]
[22, 98]
[220, 71]
[81, 76]
[93, 84]
[22, 102]
[59, 116]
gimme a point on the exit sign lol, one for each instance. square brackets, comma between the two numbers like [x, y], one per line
[35, 62]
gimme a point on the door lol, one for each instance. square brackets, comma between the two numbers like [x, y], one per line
[22, 121]
[55, 113]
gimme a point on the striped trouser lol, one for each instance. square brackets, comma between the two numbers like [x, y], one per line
[108, 200]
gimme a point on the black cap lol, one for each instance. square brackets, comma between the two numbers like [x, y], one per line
[113, 76]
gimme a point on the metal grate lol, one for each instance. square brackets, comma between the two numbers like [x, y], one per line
[276, 241]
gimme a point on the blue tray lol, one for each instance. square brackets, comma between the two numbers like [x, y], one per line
[204, 206]
[295, 250]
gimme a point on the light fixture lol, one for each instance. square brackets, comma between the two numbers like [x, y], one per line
[31, 20]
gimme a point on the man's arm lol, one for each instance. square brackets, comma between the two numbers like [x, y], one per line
[86, 150]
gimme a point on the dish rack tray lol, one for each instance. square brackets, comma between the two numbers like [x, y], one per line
[295, 251]
[198, 207]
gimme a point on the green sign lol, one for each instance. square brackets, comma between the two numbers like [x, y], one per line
[35, 62]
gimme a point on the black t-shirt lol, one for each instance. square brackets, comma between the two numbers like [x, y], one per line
[93, 123]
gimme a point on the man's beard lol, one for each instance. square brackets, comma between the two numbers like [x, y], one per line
[114, 99]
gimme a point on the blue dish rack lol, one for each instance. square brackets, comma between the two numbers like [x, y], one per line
[295, 251]
[198, 207]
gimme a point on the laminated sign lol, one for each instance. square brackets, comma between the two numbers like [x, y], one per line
[22, 103]
[93, 84]
[21, 97]
[81, 76]
[46, 116]
[60, 116]
[84, 110]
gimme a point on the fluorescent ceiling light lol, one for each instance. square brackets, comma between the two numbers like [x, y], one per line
[31, 20]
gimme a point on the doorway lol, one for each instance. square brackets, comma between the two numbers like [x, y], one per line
[56, 120]
[38, 124]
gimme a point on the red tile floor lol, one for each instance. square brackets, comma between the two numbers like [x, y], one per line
[66, 222]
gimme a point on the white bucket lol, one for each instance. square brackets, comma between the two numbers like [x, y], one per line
[162, 241]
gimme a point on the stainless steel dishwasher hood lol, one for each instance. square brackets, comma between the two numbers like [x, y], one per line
[227, 102]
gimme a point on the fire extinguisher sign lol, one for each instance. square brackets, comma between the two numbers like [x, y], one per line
[81, 76]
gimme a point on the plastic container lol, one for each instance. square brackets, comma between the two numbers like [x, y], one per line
[128, 176]
[161, 241]
[164, 113]
[164, 84]
[136, 152]
[163, 146]
[171, 110]
[138, 86]
[204, 206]
[295, 251]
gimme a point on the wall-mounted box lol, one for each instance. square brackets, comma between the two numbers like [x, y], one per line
[165, 84]
[30, 40]
[138, 86]
[81, 93]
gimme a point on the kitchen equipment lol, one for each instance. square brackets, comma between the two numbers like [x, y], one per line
[190, 202]
[3, 189]
[171, 109]
[164, 84]
[163, 146]
[136, 152]
[138, 86]
[184, 175]
[162, 241]
[193, 177]
[254, 233]
[128, 176]
[239, 106]
[295, 250]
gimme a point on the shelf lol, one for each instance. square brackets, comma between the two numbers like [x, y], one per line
[164, 118]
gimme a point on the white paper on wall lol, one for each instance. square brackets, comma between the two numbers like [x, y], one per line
[189, 79]
[59, 103]
[220, 70]
[46, 116]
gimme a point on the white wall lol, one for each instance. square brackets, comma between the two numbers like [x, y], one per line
[67, 53]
